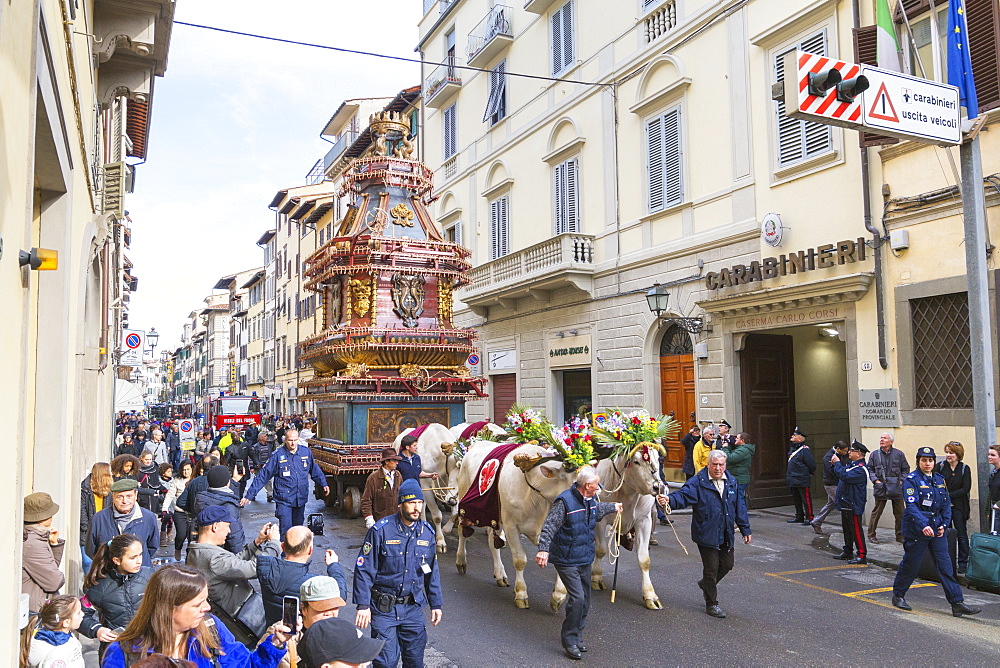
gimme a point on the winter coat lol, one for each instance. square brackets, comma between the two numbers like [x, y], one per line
[229, 574]
[186, 500]
[279, 578]
[959, 484]
[174, 490]
[260, 453]
[889, 468]
[995, 485]
[568, 532]
[40, 574]
[232, 655]
[852, 481]
[738, 460]
[88, 508]
[829, 475]
[230, 500]
[688, 442]
[378, 499]
[713, 515]
[700, 454]
[160, 450]
[143, 524]
[115, 599]
[801, 466]
[45, 655]
[150, 489]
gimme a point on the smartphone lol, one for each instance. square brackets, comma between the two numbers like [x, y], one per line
[290, 613]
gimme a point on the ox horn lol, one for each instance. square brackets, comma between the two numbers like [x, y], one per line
[526, 462]
[447, 448]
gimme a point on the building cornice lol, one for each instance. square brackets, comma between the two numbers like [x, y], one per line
[849, 288]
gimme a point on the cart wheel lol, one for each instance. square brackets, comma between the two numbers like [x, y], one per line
[351, 503]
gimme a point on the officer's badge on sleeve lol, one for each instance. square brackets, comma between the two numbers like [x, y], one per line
[361, 562]
[367, 548]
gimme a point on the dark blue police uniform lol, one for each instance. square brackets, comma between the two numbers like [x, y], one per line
[291, 473]
[852, 495]
[927, 505]
[398, 564]
[410, 467]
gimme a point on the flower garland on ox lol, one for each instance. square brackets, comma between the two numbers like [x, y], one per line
[622, 431]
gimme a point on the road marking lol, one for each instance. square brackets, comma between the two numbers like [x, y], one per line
[856, 595]
[825, 568]
[882, 590]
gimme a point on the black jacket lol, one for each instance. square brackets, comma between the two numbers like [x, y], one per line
[88, 509]
[688, 442]
[187, 498]
[995, 486]
[279, 578]
[231, 502]
[151, 492]
[260, 453]
[959, 484]
[830, 478]
[116, 599]
[801, 466]
[891, 469]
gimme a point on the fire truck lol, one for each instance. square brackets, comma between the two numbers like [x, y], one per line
[230, 409]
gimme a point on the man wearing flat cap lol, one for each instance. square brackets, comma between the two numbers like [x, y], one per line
[124, 515]
[851, 496]
[925, 518]
[395, 576]
[381, 489]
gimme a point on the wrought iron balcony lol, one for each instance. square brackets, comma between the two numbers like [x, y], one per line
[441, 85]
[493, 34]
[564, 261]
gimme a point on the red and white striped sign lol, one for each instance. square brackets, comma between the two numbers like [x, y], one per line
[827, 109]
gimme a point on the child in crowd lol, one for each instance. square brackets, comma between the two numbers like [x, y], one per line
[114, 587]
[47, 641]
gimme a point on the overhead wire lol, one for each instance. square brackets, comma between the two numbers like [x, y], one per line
[358, 52]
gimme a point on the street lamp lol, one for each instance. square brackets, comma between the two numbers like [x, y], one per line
[153, 338]
[657, 298]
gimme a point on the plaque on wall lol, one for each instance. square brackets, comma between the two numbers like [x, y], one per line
[385, 424]
[879, 408]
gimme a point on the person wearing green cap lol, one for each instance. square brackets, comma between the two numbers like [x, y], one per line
[124, 515]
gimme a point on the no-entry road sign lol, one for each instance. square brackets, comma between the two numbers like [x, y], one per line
[907, 107]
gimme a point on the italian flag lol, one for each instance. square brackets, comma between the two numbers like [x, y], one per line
[885, 31]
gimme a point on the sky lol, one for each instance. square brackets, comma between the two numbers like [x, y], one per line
[236, 119]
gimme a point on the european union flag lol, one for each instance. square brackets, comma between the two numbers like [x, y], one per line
[959, 60]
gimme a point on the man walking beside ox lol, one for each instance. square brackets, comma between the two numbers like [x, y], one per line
[567, 539]
[717, 506]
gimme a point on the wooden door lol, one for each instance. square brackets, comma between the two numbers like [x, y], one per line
[768, 391]
[504, 392]
[677, 389]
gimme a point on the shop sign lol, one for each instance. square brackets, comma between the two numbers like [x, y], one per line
[783, 319]
[569, 351]
[879, 408]
[502, 359]
[822, 257]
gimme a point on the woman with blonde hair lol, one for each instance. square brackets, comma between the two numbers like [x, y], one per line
[94, 492]
[174, 619]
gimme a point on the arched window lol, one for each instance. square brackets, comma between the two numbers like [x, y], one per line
[675, 342]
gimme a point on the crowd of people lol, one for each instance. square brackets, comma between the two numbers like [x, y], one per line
[202, 610]
[206, 611]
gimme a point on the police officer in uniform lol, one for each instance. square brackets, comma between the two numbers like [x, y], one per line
[927, 514]
[851, 497]
[395, 575]
[291, 466]
[725, 439]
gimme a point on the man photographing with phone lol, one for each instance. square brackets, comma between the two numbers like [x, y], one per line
[395, 575]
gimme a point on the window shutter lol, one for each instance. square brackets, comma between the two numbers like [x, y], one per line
[866, 53]
[498, 227]
[557, 41]
[450, 134]
[558, 182]
[654, 153]
[458, 233]
[672, 191]
[983, 17]
[568, 45]
[798, 139]
[572, 193]
[496, 105]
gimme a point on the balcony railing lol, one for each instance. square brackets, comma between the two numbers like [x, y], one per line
[339, 149]
[491, 36]
[442, 83]
[564, 261]
[315, 174]
[661, 21]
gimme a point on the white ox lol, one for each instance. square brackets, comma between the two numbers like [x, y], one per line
[432, 446]
[525, 499]
[632, 479]
[496, 429]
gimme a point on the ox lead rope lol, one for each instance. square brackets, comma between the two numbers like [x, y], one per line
[614, 552]
[666, 509]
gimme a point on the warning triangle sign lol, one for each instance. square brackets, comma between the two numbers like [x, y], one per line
[882, 107]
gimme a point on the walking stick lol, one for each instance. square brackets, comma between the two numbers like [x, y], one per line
[616, 533]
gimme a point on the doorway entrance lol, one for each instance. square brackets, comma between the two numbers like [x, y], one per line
[790, 377]
[577, 401]
[677, 391]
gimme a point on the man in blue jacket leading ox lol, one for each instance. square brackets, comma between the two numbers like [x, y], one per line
[717, 505]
